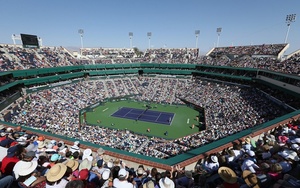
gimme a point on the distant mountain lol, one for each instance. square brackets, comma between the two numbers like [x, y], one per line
[72, 48]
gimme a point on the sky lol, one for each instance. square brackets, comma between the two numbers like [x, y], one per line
[172, 23]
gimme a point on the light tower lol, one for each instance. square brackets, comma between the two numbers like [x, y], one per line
[130, 38]
[289, 19]
[80, 31]
[40, 41]
[15, 37]
[149, 34]
[197, 32]
[219, 30]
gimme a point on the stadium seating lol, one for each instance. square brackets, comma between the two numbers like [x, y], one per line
[229, 107]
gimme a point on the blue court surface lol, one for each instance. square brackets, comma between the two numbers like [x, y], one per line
[145, 115]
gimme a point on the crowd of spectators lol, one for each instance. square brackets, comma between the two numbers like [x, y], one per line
[185, 55]
[30, 161]
[281, 96]
[18, 58]
[228, 109]
[174, 56]
[290, 65]
[255, 56]
[6, 64]
[264, 49]
[157, 55]
[109, 53]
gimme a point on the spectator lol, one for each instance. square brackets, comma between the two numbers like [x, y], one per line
[121, 181]
[92, 176]
[12, 157]
[62, 148]
[87, 154]
[6, 181]
[200, 175]
[251, 179]
[25, 174]
[29, 156]
[166, 183]
[105, 178]
[186, 180]
[55, 158]
[211, 164]
[248, 146]
[288, 181]
[84, 176]
[75, 147]
[263, 176]
[99, 154]
[75, 184]
[275, 171]
[249, 163]
[99, 167]
[43, 164]
[55, 176]
[229, 178]
[73, 164]
[140, 177]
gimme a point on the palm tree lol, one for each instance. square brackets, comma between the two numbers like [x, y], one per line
[137, 52]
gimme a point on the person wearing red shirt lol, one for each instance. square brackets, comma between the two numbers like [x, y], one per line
[294, 127]
[9, 161]
[283, 139]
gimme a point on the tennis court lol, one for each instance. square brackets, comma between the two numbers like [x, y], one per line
[144, 115]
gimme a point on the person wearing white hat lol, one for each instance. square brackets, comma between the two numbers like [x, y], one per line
[166, 183]
[121, 181]
[105, 175]
[211, 164]
[22, 140]
[24, 174]
[249, 164]
[75, 147]
[289, 154]
[295, 147]
[85, 164]
[87, 154]
[139, 176]
[295, 141]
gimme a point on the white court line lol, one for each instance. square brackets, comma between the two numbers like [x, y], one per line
[157, 117]
[172, 119]
[128, 112]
